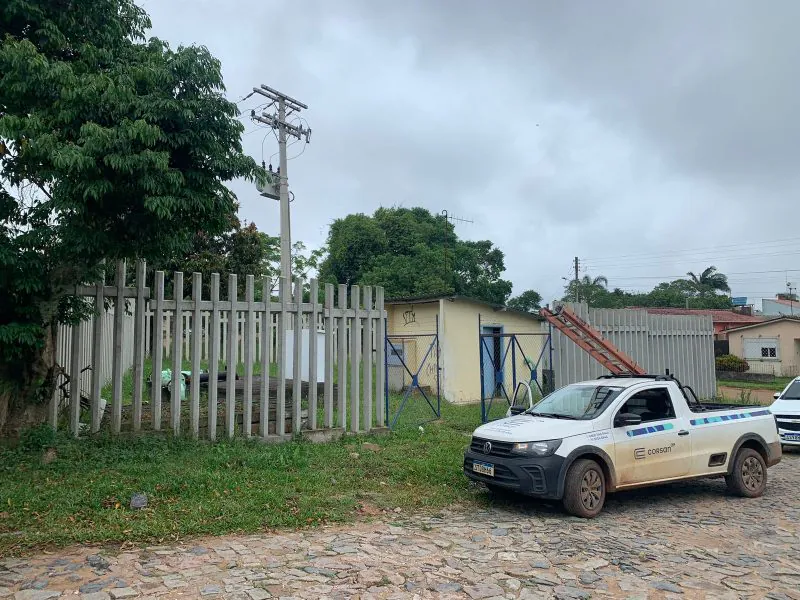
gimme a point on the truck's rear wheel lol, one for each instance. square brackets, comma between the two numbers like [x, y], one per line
[584, 489]
[749, 475]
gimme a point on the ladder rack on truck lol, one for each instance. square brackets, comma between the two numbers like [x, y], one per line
[590, 340]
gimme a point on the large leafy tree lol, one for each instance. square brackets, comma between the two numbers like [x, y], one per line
[111, 146]
[412, 252]
[528, 301]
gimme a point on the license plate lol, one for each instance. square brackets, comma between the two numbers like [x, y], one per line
[789, 437]
[483, 468]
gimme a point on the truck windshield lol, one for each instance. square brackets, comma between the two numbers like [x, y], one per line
[576, 402]
[792, 392]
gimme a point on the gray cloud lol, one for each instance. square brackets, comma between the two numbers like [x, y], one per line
[562, 128]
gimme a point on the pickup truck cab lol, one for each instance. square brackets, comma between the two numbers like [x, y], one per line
[786, 409]
[588, 439]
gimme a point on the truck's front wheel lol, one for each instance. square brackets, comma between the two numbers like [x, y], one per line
[749, 475]
[584, 489]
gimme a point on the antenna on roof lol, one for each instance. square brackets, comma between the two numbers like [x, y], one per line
[450, 220]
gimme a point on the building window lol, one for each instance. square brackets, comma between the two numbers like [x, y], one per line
[761, 348]
[768, 352]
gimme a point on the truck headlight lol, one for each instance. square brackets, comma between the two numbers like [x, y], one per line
[541, 449]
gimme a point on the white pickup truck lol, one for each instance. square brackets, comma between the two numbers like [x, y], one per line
[617, 433]
[786, 409]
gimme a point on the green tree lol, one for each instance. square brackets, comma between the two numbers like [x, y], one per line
[111, 147]
[528, 301]
[710, 280]
[587, 289]
[411, 252]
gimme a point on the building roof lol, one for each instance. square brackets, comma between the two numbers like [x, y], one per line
[789, 303]
[717, 315]
[766, 322]
[457, 298]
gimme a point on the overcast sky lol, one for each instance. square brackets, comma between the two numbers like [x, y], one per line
[647, 138]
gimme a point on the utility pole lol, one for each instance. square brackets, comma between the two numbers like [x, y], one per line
[451, 220]
[577, 280]
[791, 297]
[286, 106]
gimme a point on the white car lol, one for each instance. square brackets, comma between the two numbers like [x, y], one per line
[617, 433]
[786, 409]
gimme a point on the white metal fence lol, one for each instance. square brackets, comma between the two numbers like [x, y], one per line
[682, 344]
[344, 345]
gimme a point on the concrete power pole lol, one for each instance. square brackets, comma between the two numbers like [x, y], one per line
[286, 106]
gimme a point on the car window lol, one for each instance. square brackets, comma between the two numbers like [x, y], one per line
[792, 392]
[651, 405]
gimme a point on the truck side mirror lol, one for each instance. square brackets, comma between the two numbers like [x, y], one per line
[626, 419]
[776, 395]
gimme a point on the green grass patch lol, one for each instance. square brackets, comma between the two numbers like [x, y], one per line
[777, 385]
[81, 493]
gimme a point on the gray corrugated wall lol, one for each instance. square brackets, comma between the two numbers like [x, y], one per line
[682, 344]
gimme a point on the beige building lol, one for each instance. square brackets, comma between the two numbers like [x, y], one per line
[772, 346]
[512, 348]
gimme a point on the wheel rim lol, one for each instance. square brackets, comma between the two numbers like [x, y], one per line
[591, 489]
[752, 473]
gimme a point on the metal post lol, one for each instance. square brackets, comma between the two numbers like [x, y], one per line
[286, 236]
[577, 281]
[480, 354]
[438, 374]
[552, 381]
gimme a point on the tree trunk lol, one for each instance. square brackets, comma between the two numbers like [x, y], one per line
[25, 396]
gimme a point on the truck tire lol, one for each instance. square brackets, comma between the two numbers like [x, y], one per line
[749, 475]
[584, 489]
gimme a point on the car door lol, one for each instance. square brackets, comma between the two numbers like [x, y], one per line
[656, 449]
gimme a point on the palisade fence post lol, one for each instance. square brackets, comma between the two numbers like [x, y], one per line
[233, 359]
[213, 361]
[266, 343]
[341, 357]
[366, 407]
[312, 355]
[330, 324]
[197, 333]
[158, 348]
[380, 350]
[119, 332]
[97, 345]
[75, 379]
[297, 356]
[249, 342]
[138, 346]
[280, 404]
[177, 355]
[355, 359]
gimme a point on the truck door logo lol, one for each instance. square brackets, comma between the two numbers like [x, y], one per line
[638, 453]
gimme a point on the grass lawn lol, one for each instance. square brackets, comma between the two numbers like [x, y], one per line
[197, 488]
[776, 386]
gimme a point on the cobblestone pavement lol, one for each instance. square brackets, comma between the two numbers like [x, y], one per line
[688, 540]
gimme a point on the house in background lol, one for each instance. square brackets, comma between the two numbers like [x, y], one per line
[771, 347]
[412, 327]
[723, 320]
[778, 307]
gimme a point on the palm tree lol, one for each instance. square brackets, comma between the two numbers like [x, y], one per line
[710, 280]
[587, 288]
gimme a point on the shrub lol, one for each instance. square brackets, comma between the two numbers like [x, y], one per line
[37, 438]
[729, 362]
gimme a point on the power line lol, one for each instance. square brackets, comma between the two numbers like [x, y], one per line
[696, 250]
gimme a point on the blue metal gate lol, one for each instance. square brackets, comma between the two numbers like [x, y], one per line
[507, 359]
[413, 379]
